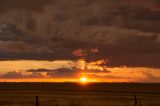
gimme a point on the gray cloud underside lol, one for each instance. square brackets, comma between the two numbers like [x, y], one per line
[57, 73]
[126, 33]
[19, 75]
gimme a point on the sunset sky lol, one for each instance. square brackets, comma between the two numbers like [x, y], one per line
[65, 40]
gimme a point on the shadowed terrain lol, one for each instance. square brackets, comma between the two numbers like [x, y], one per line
[76, 94]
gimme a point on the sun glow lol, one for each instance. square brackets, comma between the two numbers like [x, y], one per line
[83, 79]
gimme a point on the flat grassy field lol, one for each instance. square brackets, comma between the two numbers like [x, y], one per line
[76, 94]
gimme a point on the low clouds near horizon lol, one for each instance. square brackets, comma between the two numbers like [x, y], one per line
[66, 73]
[122, 32]
[75, 73]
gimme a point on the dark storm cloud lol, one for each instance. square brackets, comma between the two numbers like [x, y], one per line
[68, 72]
[13, 40]
[20, 75]
[39, 70]
[59, 73]
[36, 5]
[55, 73]
[36, 56]
[12, 75]
[65, 73]
[137, 17]
[126, 33]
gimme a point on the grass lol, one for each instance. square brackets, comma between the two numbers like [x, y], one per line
[71, 94]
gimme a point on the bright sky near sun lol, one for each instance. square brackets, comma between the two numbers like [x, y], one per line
[101, 40]
[119, 74]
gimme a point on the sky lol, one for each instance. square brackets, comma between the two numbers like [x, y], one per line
[64, 40]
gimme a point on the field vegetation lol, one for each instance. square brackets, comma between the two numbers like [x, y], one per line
[75, 94]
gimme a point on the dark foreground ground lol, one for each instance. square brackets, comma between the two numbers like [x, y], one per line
[75, 94]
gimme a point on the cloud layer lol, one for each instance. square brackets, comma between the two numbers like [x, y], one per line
[123, 32]
[36, 5]
[67, 73]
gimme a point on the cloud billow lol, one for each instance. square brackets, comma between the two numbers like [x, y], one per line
[125, 33]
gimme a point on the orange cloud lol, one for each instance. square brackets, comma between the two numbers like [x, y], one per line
[79, 53]
[94, 50]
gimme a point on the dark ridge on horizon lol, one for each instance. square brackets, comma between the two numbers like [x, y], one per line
[141, 88]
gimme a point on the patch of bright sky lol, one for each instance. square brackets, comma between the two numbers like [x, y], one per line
[119, 72]
[7, 66]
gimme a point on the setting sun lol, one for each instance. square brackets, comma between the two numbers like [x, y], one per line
[83, 79]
